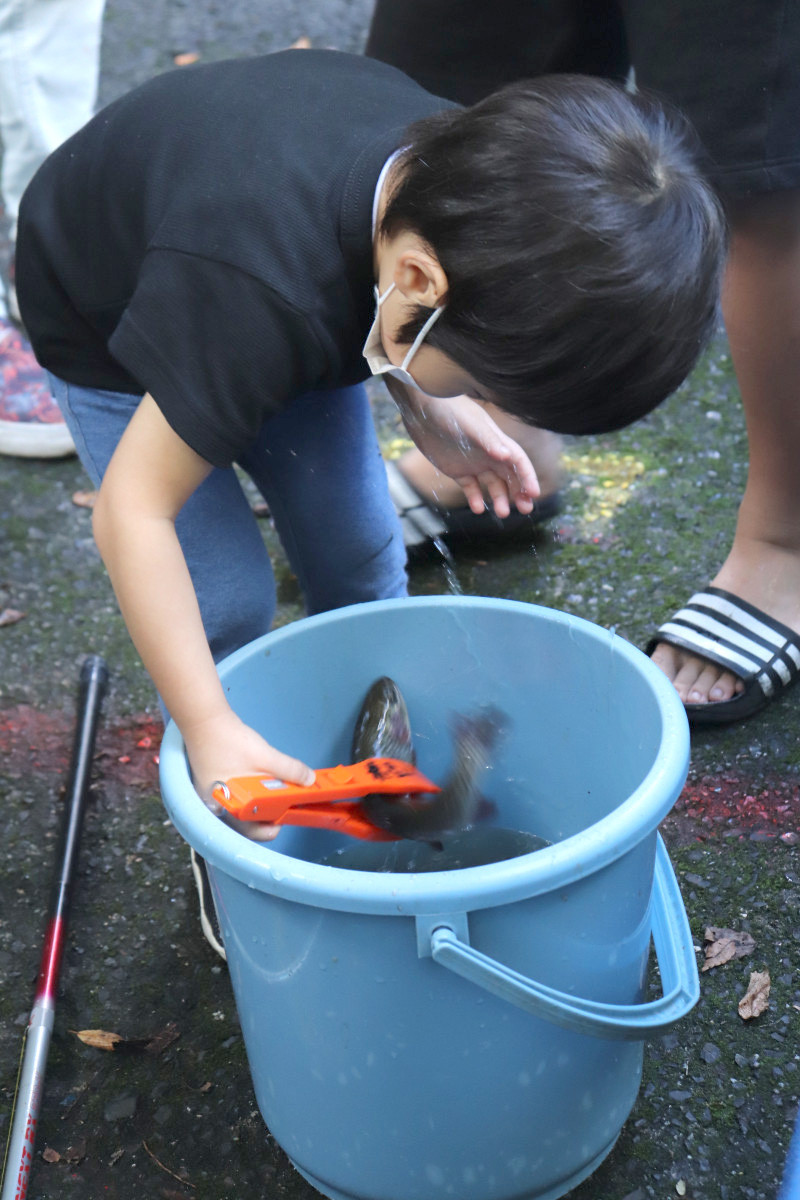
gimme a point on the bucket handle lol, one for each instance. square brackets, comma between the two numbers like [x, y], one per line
[623, 1022]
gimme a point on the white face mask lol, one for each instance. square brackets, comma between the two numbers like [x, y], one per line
[375, 354]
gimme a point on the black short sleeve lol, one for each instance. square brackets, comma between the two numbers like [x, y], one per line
[217, 349]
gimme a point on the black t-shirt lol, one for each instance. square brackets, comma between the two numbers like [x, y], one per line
[207, 238]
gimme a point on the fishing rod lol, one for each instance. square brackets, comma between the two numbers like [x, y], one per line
[25, 1113]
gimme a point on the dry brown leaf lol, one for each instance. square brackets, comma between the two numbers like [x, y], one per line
[302, 43]
[756, 998]
[724, 945]
[84, 499]
[10, 616]
[50, 1155]
[186, 60]
[99, 1038]
[103, 1040]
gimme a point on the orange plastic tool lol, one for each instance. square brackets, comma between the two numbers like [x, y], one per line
[329, 802]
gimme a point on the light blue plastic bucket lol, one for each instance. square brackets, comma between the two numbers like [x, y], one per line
[472, 1033]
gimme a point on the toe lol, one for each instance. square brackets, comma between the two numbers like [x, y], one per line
[688, 680]
[696, 680]
[725, 687]
[668, 659]
[708, 685]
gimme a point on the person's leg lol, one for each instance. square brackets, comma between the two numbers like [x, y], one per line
[745, 112]
[219, 534]
[762, 317]
[49, 67]
[466, 49]
[318, 466]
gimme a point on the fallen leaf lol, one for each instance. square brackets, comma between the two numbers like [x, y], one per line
[84, 499]
[724, 945]
[99, 1038]
[10, 616]
[186, 60]
[302, 43]
[50, 1155]
[756, 998]
[76, 1152]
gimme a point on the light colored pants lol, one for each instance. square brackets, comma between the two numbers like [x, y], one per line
[49, 68]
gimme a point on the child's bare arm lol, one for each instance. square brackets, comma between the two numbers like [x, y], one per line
[151, 476]
[462, 440]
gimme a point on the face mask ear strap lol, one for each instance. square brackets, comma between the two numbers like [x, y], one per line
[380, 298]
[423, 333]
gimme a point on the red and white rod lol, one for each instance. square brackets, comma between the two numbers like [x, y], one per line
[19, 1155]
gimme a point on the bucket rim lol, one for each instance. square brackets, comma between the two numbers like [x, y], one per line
[582, 854]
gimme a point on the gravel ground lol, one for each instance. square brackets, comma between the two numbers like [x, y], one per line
[649, 514]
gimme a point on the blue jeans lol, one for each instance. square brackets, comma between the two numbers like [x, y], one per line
[319, 468]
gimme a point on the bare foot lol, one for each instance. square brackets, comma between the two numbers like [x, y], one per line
[764, 575]
[542, 447]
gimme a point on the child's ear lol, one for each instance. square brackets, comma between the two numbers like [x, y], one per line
[419, 275]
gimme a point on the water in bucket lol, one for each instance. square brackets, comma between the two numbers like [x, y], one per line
[475, 847]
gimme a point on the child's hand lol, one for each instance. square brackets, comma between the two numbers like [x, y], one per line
[461, 440]
[224, 748]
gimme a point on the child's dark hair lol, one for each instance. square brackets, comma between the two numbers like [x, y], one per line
[582, 247]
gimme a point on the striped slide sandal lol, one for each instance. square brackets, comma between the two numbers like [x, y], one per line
[720, 627]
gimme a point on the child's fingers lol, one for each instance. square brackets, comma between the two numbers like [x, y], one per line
[514, 466]
[290, 769]
[497, 490]
[523, 481]
[473, 491]
[256, 831]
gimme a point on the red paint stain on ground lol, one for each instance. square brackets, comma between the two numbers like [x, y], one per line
[712, 806]
[39, 743]
[729, 806]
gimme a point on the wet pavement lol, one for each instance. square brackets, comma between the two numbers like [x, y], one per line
[171, 1112]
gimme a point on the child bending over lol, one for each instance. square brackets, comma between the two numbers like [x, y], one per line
[198, 271]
